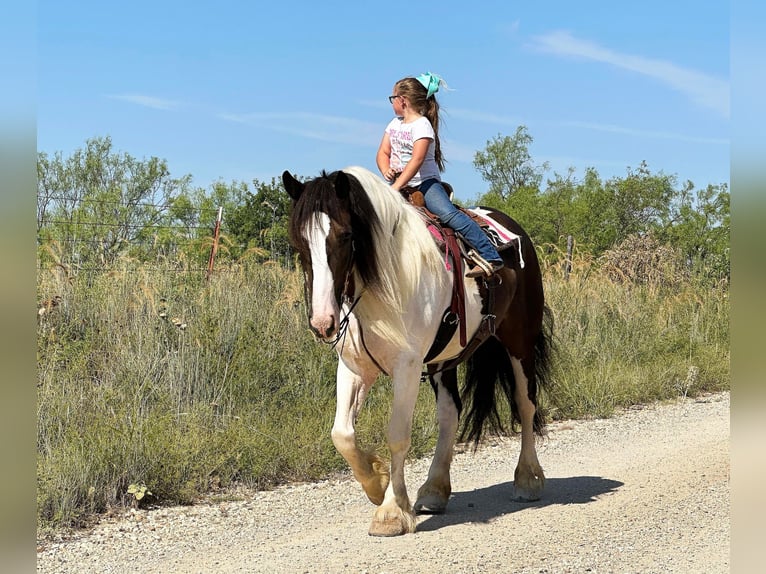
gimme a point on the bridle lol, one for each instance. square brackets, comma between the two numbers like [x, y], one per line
[347, 297]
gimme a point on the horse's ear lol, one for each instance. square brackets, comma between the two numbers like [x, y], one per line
[342, 185]
[293, 187]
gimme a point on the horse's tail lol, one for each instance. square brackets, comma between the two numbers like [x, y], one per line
[489, 377]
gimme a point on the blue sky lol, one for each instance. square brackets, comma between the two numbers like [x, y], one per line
[237, 90]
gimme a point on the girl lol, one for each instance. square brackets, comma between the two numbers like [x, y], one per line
[410, 155]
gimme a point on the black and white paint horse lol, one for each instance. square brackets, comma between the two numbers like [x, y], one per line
[377, 286]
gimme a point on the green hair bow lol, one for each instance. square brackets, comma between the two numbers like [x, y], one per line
[431, 82]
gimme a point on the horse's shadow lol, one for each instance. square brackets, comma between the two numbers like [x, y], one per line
[485, 504]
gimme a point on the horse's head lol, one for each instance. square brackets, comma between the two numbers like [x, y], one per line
[329, 234]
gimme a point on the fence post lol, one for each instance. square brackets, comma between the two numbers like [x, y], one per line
[568, 266]
[214, 248]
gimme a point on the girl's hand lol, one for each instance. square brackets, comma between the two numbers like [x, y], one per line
[390, 174]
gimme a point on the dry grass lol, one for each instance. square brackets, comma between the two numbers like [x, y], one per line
[642, 260]
[624, 341]
[153, 377]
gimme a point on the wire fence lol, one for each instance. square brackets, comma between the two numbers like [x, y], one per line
[75, 240]
[89, 201]
[125, 225]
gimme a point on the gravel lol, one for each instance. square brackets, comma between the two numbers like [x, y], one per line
[646, 491]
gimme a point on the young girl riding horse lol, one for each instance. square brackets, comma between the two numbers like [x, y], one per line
[410, 155]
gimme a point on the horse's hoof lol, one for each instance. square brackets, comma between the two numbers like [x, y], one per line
[528, 486]
[521, 495]
[528, 493]
[433, 497]
[392, 522]
[430, 505]
[387, 528]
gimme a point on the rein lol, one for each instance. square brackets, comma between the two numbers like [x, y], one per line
[343, 326]
[347, 297]
[343, 329]
[486, 326]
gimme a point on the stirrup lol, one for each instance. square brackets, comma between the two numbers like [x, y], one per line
[483, 265]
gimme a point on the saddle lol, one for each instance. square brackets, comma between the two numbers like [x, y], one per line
[452, 244]
[501, 238]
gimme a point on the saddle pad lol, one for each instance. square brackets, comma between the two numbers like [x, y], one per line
[499, 235]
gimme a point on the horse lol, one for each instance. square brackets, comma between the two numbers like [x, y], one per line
[376, 287]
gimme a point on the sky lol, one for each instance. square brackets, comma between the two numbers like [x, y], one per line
[236, 90]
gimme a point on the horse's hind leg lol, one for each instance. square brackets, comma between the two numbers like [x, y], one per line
[529, 479]
[435, 492]
[369, 469]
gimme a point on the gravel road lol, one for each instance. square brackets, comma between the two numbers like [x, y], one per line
[644, 492]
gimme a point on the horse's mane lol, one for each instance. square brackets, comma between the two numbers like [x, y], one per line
[402, 252]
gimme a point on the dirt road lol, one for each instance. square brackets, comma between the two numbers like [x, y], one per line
[644, 492]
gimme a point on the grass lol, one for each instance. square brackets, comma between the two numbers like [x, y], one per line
[152, 377]
[620, 344]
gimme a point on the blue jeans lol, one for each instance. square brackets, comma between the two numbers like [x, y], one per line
[438, 202]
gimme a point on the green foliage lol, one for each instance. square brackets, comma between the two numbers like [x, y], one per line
[155, 378]
[699, 224]
[98, 205]
[148, 377]
[260, 220]
[139, 492]
[507, 164]
[600, 215]
[102, 202]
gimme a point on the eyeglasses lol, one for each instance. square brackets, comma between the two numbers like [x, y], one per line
[391, 98]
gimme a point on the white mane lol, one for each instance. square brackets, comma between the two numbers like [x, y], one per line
[407, 256]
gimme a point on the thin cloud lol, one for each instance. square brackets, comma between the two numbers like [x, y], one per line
[457, 152]
[704, 90]
[482, 117]
[146, 101]
[646, 133]
[331, 129]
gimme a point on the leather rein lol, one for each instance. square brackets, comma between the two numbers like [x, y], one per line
[486, 327]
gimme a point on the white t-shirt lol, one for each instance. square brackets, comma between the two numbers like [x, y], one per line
[403, 136]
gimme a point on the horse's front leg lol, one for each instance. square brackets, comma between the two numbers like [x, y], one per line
[369, 469]
[395, 516]
[435, 492]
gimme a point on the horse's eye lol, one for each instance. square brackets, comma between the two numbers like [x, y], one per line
[346, 236]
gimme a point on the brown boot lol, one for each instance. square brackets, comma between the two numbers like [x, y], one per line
[478, 271]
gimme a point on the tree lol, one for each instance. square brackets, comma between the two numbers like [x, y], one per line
[558, 203]
[603, 215]
[102, 203]
[261, 219]
[54, 188]
[507, 165]
[699, 223]
[640, 201]
[592, 208]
